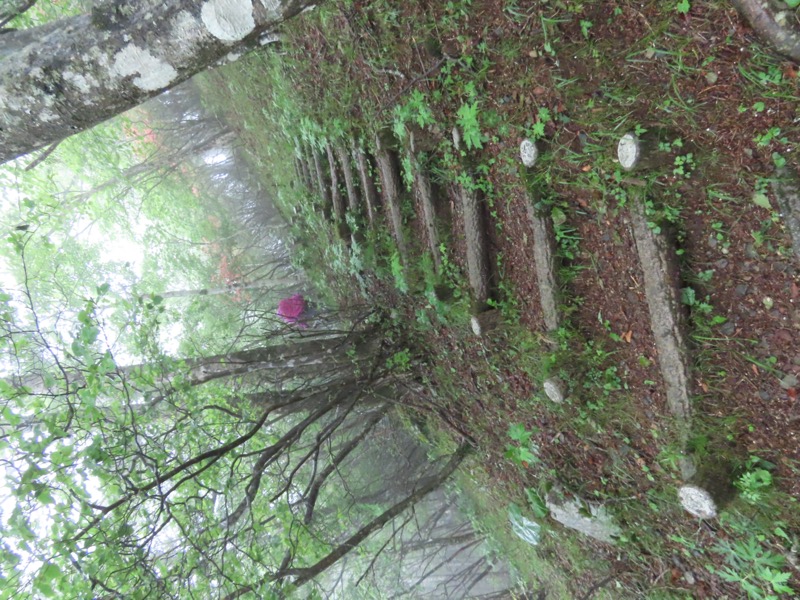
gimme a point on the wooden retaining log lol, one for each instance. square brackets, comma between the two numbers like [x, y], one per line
[336, 195]
[477, 248]
[322, 188]
[424, 195]
[544, 245]
[368, 188]
[390, 184]
[353, 202]
[308, 180]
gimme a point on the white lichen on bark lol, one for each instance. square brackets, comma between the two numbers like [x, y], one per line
[154, 73]
[228, 20]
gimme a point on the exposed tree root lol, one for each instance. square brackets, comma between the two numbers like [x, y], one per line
[771, 20]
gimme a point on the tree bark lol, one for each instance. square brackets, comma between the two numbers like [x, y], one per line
[83, 70]
[12, 8]
[770, 21]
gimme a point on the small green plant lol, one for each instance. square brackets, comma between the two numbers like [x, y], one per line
[543, 116]
[757, 570]
[537, 504]
[399, 274]
[684, 165]
[399, 361]
[768, 136]
[754, 481]
[683, 6]
[470, 127]
[522, 452]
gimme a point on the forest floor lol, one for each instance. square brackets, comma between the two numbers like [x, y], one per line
[578, 75]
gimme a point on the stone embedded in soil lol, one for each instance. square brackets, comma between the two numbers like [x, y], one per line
[662, 289]
[554, 389]
[628, 151]
[789, 382]
[697, 502]
[456, 138]
[646, 151]
[486, 321]
[786, 188]
[571, 513]
[544, 258]
[528, 152]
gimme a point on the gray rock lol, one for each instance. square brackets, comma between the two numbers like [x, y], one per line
[528, 152]
[789, 381]
[571, 513]
[554, 389]
[697, 502]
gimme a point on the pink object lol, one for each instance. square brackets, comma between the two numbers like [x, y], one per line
[292, 308]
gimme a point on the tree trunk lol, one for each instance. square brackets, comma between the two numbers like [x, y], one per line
[12, 8]
[85, 69]
[298, 358]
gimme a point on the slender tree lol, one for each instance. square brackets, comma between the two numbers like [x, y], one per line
[67, 76]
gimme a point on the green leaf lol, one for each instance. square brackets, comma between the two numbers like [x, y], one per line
[518, 433]
[49, 573]
[760, 199]
[537, 505]
[89, 334]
